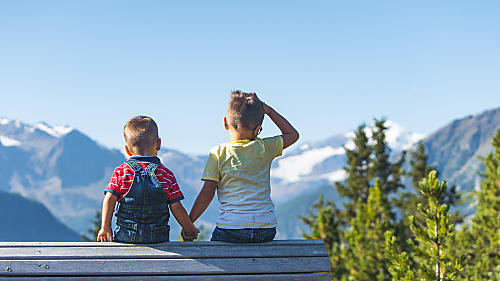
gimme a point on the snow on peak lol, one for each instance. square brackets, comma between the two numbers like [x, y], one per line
[290, 169]
[4, 121]
[399, 138]
[300, 165]
[6, 141]
[56, 131]
[337, 175]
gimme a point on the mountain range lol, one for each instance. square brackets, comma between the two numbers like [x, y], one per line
[66, 171]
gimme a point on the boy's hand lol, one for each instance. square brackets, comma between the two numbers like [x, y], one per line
[190, 236]
[289, 134]
[105, 235]
[267, 109]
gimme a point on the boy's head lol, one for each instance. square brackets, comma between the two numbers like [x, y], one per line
[141, 136]
[244, 111]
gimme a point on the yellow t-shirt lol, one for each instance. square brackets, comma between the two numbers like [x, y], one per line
[242, 170]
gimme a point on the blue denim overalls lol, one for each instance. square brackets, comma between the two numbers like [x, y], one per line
[142, 215]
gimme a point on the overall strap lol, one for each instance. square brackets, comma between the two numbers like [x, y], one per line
[151, 168]
[134, 166]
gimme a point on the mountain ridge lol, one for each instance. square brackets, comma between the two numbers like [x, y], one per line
[67, 171]
[454, 149]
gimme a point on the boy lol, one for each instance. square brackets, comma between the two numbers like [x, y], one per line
[239, 171]
[144, 190]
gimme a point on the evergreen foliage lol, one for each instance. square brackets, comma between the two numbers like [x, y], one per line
[388, 173]
[361, 238]
[420, 168]
[325, 225]
[482, 239]
[363, 251]
[408, 201]
[430, 251]
[368, 160]
[358, 171]
[399, 265]
[367, 242]
[355, 236]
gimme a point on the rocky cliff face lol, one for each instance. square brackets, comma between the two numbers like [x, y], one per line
[457, 148]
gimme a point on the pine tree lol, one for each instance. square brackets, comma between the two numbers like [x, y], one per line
[358, 169]
[482, 240]
[388, 173]
[324, 222]
[430, 248]
[363, 251]
[420, 168]
[399, 265]
[94, 230]
[355, 236]
[419, 164]
[408, 200]
[381, 167]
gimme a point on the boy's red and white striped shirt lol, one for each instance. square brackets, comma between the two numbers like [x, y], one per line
[123, 177]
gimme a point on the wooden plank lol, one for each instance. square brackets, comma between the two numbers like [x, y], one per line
[187, 244]
[163, 251]
[164, 266]
[258, 277]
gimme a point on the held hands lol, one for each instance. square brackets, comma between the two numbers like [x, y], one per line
[190, 235]
[105, 235]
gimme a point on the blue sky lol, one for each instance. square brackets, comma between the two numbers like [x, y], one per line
[325, 65]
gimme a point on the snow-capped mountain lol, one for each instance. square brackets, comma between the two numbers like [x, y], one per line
[33, 138]
[67, 171]
[315, 164]
[58, 166]
[455, 151]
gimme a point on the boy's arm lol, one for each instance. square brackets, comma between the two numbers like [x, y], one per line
[108, 207]
[189, 231]
[204, 198]
[290, 135]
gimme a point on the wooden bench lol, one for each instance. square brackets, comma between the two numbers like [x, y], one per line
[277, 260]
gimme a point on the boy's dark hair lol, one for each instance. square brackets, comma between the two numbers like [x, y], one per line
[141, 134]
[245, 110]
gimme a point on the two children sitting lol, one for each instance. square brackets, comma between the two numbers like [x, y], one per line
[238, 170]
